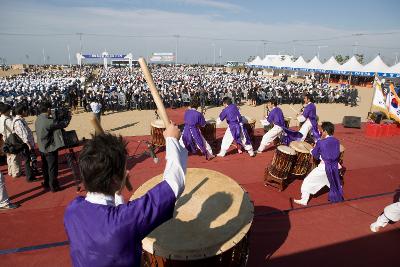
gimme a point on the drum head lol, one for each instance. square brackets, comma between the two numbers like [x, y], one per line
[286, 150]
[301, 146]
[342, 149]
[211, 121]
[158, 124]
[212, 216]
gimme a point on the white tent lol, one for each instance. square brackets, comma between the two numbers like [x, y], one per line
[395, 68]
[256, 62]
[287, 63]
[300, 63]
[352, 65]
[314, 64]
[266, 62]
[376, 65]
[331, 65]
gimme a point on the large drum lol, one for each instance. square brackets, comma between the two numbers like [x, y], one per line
[210, 225]
[303, 162]
[209, 131]
[249, 124]
[157, 129]
[280, 166]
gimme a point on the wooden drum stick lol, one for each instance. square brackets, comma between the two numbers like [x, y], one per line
[96, 125]
[154, 92]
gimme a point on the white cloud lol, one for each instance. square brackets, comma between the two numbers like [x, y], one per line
[214, 4]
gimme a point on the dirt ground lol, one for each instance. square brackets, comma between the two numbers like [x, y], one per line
[133, 123]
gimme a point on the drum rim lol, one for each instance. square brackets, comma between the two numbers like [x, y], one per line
[208, 251]
[302, 149]
[280, 146]
[153, 124]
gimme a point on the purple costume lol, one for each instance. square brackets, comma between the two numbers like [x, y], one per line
[329, 150]
[310, 112]
[191, 135]
[276, 117]
[104, 235]
[234, 119]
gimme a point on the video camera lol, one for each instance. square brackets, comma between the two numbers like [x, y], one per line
[61, 115]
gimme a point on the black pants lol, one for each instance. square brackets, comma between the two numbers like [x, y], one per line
[50, 169]
[29, 173]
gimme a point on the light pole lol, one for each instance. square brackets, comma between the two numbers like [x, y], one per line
[220, 56]
[44, 57]
[69, 56]
[264, 45]
[213, 44]
[176, 48]
[397, 57]
[319, 49]
[355, 48]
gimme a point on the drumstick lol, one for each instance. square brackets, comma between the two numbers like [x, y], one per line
[293, 109]
[96, 125]
[153, 91]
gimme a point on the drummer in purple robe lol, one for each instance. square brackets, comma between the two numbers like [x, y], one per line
[326, 173]
[102, 229]
[309, 117]
[191, 137]
[235, 132]
[279, 129]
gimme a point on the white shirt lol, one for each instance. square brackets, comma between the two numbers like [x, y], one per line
[174, 174]
[96, 107]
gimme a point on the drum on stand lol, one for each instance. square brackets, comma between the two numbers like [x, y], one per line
[249, 124]
[276, 175]
[303, 161]
[157, 129]
[210, 225]
[209, 131]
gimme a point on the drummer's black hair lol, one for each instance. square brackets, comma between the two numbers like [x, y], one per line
[273, 101]
[227, 100]
[194, 103]
[102, 163]
[328, 127]
[310, 97]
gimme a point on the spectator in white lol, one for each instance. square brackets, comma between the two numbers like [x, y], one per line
[96, 108]
[22, 129]
[390, 213]
[5, 203]
[6, 125]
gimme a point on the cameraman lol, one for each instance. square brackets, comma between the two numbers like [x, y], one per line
[49, 140]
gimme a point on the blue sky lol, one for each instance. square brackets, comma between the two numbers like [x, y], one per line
[278, 22]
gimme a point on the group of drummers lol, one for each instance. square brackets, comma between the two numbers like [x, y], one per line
[323, 154]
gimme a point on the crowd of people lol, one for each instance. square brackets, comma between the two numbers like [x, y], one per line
[118, 89]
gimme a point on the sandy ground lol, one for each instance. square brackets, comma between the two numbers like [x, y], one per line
[131, 123]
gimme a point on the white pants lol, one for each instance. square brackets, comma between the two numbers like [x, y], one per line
[305, 128]
[4, 201]
[14, 165]
[391, 212]
[228, 139]
[269, 137]
[208, 147]
[314, 182]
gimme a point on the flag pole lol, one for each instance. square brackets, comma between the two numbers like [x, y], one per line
[373, 96]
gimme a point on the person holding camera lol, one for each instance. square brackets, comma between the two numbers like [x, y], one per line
[6, 126]
[21, 128]
[49, 141]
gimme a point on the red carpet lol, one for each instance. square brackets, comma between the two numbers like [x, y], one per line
[321, 235]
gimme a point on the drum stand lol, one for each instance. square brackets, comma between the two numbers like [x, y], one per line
[72, 162]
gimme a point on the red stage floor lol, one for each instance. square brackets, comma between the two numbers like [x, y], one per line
[282, 234]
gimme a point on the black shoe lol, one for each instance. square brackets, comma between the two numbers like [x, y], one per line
[56, 189]
[32, 180]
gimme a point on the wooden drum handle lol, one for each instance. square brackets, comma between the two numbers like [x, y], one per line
[154, 92]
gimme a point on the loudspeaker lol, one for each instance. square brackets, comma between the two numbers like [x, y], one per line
[351, 122]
